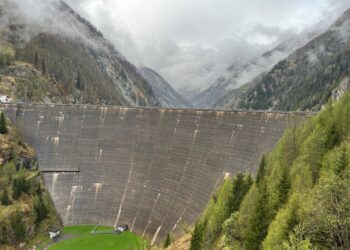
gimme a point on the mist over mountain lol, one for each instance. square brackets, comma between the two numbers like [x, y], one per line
[167, 96]
[241, 73]
[303, 81]
[70, 53]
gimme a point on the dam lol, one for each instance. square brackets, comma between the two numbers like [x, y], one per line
[151, 168]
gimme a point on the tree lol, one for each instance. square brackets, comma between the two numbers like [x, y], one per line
[240, 186]
[36, 60]
[197, 236]
[80, 84]
[18, 226]
[18, 187]
[283, 187]
[43, 66]
[5, 200]
[342, 162]
[261, 171]
[259, 220]
[3, 124]
[167, 241]
[40, 209]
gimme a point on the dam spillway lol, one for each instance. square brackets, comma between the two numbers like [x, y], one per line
[153, 169]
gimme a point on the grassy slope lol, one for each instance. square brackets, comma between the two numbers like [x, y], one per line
[86, 241]
[84, 229]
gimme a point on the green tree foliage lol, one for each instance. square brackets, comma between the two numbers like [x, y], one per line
[20, 185]
[283, 187]
[197, 236]
[167, 241]
[18, 226]
[40, 209]
[240, 186]
[261, 170]
[301, 195]
[342, 162]
[226, 201]
[5, 199]
[3, 124]
[259, 221]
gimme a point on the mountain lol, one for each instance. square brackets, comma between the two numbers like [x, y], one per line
[162, 89]
[303, 81]
[241, 73]
[54, 55]
[300, 196]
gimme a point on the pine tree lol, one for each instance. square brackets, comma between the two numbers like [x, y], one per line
[261, 171]
[3, 124]
[18, 186]
[342, 162]
[36, 60]
[197, 236]
[240, 186]
[19, 226]
[43, 66]
[283, 187]
[40, 209]
[5, 200]
[80, 84]
[258, 223]
[167, 241]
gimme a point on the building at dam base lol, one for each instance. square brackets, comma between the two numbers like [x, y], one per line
[152, 169]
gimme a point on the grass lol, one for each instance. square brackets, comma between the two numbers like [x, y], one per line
[84, 240]
[84, 229]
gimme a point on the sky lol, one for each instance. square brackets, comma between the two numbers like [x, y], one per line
[192, 42]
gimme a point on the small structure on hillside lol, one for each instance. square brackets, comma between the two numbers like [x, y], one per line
[5, 99]
[122, 228]
[54, 232]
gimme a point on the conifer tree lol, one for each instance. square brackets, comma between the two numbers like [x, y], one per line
[40, 209]
[18, 226]
[259, 221]
[167, 241]
[3, 125]
[342, 162]
[5, 200]
[261, 171]
[43, 66]
[197, 236]
[283, 187]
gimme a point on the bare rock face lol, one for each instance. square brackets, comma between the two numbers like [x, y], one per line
[167, 96]
[153, 169]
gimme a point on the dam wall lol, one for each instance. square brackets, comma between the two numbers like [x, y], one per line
[153, 169]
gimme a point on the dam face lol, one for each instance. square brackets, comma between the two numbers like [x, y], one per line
[153, 169]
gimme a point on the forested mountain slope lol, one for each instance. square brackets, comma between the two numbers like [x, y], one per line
[303, 81]
[241, 73]
[300, 196]
[57, 56]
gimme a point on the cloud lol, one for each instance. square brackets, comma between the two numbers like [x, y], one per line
[191, 42]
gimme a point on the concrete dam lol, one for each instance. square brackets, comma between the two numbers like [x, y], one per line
[153, 169]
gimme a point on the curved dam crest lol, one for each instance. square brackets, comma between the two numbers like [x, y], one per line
[153, 169]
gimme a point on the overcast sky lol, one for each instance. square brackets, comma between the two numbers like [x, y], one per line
[190, 42]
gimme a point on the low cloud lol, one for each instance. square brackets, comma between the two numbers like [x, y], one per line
[191, 42]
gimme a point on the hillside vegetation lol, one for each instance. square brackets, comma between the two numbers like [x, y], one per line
[26, 209]
[42, 62]
[299, 199]
[303, 81]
